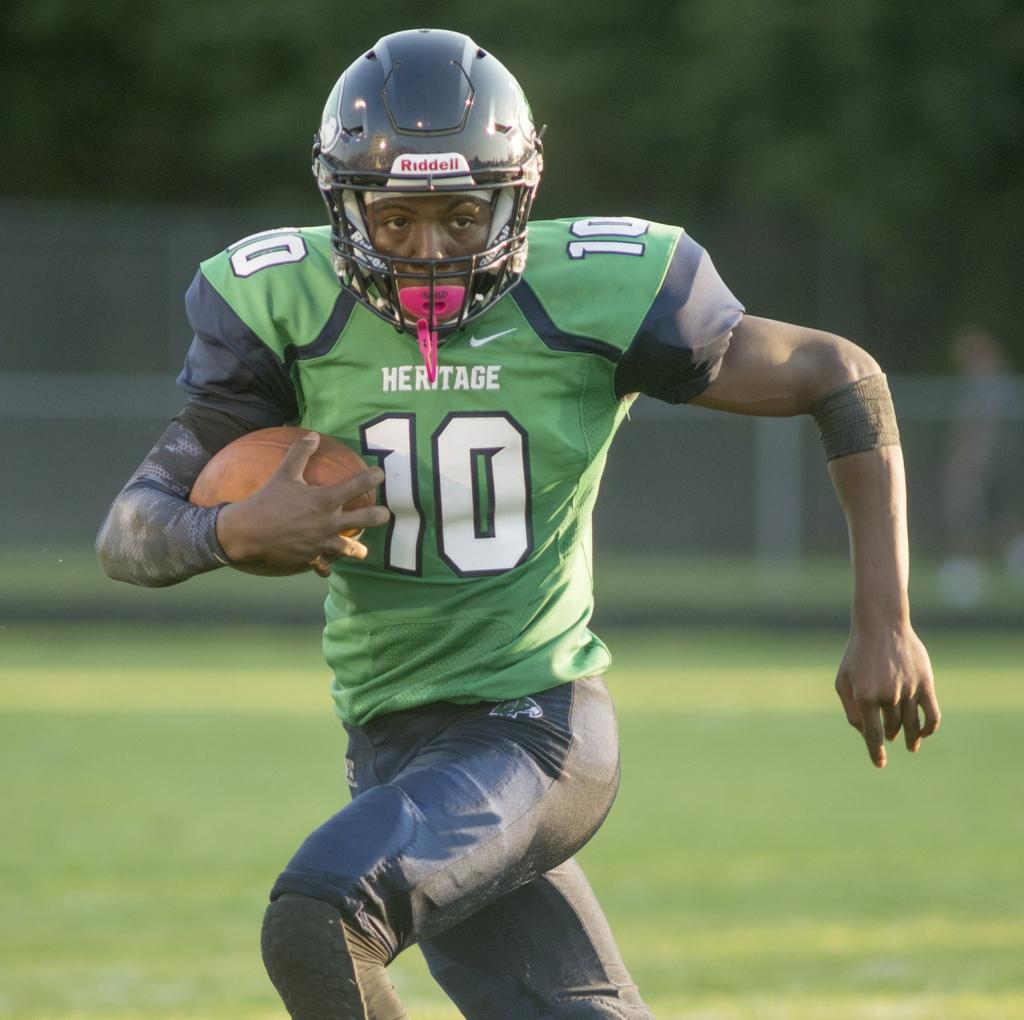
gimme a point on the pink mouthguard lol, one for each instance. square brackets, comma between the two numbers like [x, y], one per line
[416, 300]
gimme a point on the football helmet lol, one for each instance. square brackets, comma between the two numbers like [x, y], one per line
[423, 112]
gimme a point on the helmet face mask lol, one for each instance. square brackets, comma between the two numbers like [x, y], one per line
[377, 277]
[427, 113]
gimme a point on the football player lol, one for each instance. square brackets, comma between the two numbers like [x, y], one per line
[482, 364]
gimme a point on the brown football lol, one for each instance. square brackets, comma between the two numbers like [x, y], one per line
[237, 471]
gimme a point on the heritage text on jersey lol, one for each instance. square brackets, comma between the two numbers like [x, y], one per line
[406, 378]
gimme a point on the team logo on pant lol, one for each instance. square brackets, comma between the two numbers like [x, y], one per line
[520, 706]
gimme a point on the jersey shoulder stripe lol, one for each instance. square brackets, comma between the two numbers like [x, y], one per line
[228, 367]
[595, 277]
[283, 286]
[253, 308]
[553, 337]
[644, 295]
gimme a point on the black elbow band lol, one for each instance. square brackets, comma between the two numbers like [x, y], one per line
[857, 417]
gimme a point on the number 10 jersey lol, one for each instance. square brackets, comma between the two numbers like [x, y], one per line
[480, 587]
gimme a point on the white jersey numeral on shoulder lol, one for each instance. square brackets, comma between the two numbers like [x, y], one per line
[607, 227]
[272, 248]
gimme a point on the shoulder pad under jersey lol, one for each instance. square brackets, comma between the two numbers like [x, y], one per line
[644, 295]
[280, 283]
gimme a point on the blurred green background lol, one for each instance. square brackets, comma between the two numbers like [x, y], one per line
[812, 146]
[853, 166]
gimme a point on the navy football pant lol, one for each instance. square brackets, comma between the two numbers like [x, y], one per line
[460, 839]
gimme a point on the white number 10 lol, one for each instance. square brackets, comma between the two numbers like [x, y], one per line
[481, 483]
[608, 226]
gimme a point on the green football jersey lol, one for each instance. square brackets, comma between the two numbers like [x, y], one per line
[480, 587]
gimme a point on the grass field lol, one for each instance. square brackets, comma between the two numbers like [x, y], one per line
[755, 865]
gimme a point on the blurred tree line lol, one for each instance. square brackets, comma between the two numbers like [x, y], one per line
[881, 141]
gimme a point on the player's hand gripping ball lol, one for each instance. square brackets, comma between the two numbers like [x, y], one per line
[242, 467]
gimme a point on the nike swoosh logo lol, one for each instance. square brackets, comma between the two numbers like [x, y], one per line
[480, 341]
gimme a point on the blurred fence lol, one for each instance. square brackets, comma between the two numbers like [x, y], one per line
[682, 479]
[94, 333]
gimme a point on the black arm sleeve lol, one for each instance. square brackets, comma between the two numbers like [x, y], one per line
[152, 536]
[679, 346]
[212, 428]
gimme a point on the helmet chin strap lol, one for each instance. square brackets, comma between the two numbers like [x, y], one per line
[417, 301]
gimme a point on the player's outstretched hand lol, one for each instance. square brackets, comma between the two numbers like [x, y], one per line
[885, 683]
[287, 526]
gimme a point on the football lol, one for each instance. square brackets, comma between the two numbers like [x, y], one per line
[240, 468]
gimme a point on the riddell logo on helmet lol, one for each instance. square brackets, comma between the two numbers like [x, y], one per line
[442, 163]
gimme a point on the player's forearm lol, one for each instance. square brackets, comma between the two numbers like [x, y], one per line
[152, 536]
[872, 490]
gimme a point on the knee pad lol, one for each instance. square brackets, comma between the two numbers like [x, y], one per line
[305, 954]
[321, 968]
